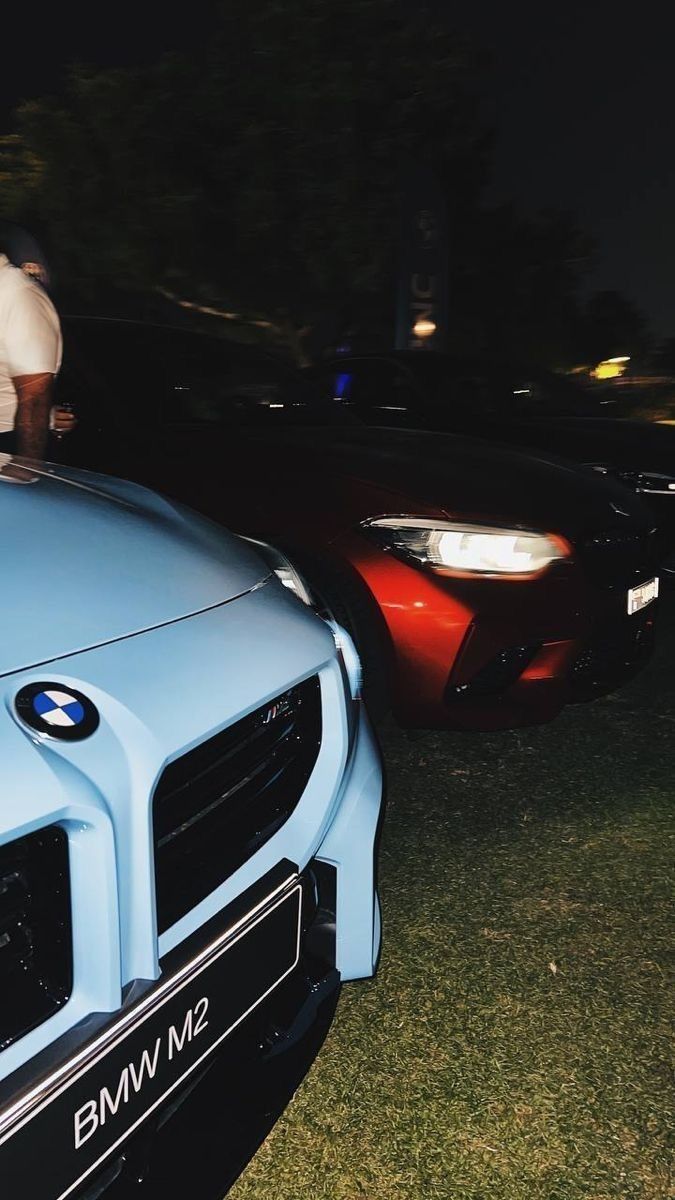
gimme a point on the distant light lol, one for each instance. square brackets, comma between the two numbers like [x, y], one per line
[522, 392]
[342, 385]
[620, 358]
[610, 368]
[276, 406]
[424, 328]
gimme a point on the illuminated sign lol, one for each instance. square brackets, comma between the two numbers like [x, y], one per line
[422, 308]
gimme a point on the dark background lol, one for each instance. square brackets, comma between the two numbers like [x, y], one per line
[580, 98]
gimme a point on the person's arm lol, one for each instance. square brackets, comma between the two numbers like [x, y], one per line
[34, 394]
[32, 346]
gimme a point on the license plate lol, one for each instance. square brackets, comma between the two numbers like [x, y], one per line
[53, 1139]
[639, 597]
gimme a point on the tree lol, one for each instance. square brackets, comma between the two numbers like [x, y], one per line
[664, 356]
[517, 285]
[613, 326]
[261, 176]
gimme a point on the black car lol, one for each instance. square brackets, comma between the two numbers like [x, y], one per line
[530, 409]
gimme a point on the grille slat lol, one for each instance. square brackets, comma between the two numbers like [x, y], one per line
[36, 968]
[618, 558]
[207, 786]
[617, 650]
[207, 771]
[217, 804]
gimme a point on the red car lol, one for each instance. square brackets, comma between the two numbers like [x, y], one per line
[486, 588]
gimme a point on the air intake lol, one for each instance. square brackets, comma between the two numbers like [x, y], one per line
[218, 804]
[36, 961]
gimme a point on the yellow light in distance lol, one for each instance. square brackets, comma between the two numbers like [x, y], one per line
[611, 368]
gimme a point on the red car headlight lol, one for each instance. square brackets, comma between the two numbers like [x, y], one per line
[454, 548]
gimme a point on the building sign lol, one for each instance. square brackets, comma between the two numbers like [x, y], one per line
[422, 320]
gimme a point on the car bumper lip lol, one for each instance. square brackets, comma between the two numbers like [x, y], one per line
[79, 1063]
[608, 654]
[203, 1145]
[276, 1027]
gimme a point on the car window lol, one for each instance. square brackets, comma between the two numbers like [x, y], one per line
[382, 392]
[494, 390]
[464, 388]
[550, 395]
[210, 385]
[375, 390]
[154, 378]
[505, 391]
[214, 384]
[163, 376]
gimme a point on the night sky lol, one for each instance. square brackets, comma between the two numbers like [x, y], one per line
[581, 100]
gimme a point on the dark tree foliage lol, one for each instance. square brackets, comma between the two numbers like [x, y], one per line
[260, 176]
[517, 286]
[613, 326]
[664, 356]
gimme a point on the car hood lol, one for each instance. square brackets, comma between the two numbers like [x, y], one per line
[87, 559]
[626, 445]
[471, 478]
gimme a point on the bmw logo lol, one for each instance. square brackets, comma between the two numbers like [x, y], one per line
[59, 712]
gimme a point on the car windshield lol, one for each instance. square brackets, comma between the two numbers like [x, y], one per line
[150, 375]
[494, 388]
[251, 398]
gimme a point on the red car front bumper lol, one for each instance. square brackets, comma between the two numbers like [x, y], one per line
[486, 654]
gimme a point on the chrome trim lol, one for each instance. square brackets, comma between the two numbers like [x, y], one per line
[14, 1117]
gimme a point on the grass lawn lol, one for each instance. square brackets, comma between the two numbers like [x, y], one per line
[515, 1043]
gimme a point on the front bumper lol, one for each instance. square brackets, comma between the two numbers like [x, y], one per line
[203, 1138]
[200, 1136]
[204, 1098]
[496, 654]
[237, 1092]
[205, 1144]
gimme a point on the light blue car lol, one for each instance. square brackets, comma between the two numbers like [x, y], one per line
[190, 803]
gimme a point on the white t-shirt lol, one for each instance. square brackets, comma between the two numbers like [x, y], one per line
[30, 335]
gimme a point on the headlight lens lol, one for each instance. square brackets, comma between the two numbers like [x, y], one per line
[459, 549]
[283, 569]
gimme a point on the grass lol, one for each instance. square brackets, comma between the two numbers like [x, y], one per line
[514, 1045]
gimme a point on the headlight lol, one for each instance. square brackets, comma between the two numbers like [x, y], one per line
[283, 569]
[458, 549]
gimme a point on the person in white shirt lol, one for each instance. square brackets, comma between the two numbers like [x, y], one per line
[30, 358]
